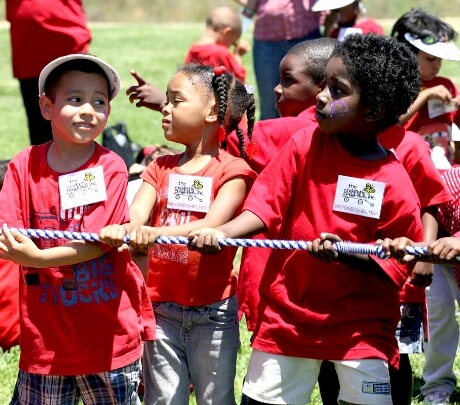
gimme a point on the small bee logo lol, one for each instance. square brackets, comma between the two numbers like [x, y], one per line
[369, 189]
[197, 184]
[89, 177]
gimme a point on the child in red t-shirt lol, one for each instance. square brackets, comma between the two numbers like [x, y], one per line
[345, 17]
[193, 295]
[223, 31]
[343, 308]
[436, 108]
[9, 293]
[84, 307]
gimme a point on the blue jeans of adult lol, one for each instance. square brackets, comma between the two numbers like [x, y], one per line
[267, 56]
[195, 345]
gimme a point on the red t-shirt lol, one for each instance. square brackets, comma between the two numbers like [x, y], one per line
[413, 152]
[9, 304]
[436, 131]
[270, 136]
[329, 310]
[89, 317]
[364, 26]
[42, 31]
[176, 274]
[215, 55]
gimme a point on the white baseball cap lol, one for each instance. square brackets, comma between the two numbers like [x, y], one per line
[323, 5]
[112, 75]
[444, 50]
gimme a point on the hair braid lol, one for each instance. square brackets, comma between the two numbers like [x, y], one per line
[220, 83]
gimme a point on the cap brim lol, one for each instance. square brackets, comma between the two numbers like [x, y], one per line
[443, 50]
[112, 75]
[323, 5]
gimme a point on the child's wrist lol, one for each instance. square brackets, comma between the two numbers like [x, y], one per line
[248, 12]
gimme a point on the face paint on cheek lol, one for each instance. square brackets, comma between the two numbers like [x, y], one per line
[338, 109]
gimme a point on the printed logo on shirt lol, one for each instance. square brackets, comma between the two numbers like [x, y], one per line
[191, 193]
[376, 388]
[93, 284]
[82, 187]
[359, 196]
[170, 253]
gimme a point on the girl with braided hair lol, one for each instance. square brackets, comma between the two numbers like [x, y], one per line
[193, 295]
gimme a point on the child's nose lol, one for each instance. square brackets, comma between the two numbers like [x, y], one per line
[278, 89]
[166, 109]
[86, 108]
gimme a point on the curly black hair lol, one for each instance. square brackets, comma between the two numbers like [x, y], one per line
[421, 24]
[386, 72]
[233, 100]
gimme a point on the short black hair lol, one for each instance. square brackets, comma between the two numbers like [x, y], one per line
[421, 24]
[386, 72]
[80, 65]
[3, 169]
[315, 54]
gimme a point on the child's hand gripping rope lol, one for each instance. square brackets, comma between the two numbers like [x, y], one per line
[210, 241]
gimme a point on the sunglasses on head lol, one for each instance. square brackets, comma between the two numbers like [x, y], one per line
[431, 39]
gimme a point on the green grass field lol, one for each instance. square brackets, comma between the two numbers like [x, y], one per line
[154, 50]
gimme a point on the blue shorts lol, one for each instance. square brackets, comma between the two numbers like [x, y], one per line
[110, 387]
[409, 329]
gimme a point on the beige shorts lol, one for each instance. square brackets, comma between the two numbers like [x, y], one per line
[277, 379]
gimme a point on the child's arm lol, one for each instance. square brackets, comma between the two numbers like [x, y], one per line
[205, 239]
[228, 200]
[439, 92]
[23, 251]
[148, 95]
[139, 212]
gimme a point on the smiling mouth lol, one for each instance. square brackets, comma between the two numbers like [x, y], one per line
[84, 125]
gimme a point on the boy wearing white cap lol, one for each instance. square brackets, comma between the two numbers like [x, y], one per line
[84, 306]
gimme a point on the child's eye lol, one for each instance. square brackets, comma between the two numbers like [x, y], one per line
[286, 81]
[74, 99]
[336, 92]
[99, 102]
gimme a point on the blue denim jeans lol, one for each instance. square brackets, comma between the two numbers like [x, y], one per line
[267, 56]
[195, 345]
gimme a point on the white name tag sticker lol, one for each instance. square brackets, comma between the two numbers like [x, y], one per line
[439, 107]
[359, 196]
[191, 193]
[82, 188]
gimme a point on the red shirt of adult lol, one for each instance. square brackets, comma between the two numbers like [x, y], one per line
[42, 31]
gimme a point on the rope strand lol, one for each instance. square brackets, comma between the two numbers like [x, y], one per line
[347, 248]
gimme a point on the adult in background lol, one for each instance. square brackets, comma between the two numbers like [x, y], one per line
[40, 32]
[279, 25]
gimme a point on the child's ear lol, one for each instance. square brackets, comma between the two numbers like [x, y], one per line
[375, 112]
[45, 106]
[212, 115]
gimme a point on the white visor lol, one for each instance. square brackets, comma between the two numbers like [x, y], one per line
[443, 50]
[323, 5]
[112, 75]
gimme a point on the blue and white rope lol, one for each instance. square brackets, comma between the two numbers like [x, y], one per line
[347, 248]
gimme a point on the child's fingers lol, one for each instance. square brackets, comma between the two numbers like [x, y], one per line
[138, 77]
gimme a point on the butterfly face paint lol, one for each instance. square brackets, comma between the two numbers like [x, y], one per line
[338, 109]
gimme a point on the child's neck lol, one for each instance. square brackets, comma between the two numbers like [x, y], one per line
[65, 158]
[365, 149]
[196, 158]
